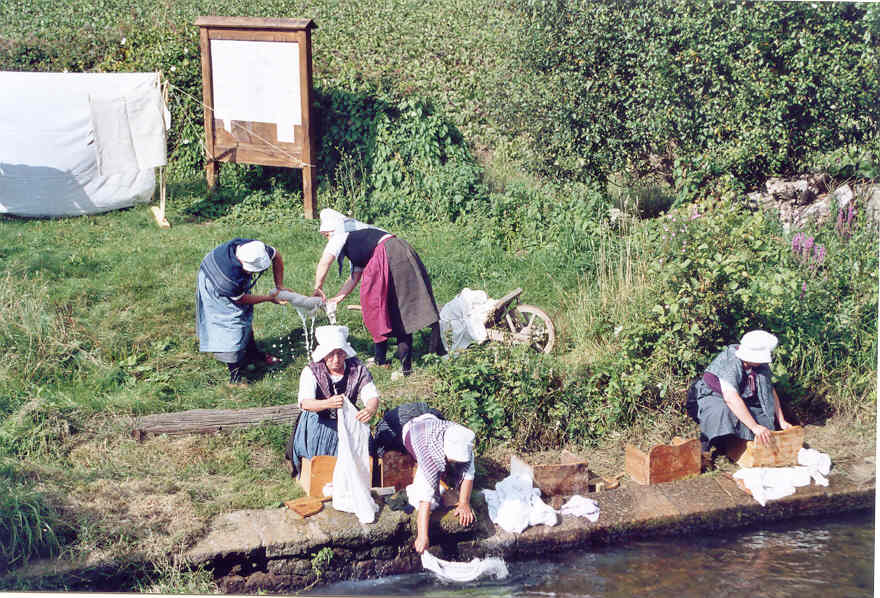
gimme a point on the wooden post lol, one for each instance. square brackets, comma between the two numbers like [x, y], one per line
[212, 167]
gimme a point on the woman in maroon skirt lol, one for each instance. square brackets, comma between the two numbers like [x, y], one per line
[395, 290]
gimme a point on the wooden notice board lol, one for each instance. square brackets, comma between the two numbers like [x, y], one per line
[257, 88]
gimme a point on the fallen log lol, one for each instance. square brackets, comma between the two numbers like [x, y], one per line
[210, 421]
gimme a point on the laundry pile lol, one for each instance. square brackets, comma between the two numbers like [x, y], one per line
[772, 483]
[516, 504]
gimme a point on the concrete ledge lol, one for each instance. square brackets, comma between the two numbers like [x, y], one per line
[271, 550]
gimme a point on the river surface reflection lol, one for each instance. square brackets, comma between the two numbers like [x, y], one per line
[803, 559]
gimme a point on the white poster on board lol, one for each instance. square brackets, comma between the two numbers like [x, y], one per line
[257, 82]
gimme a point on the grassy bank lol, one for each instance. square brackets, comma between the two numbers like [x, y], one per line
[421, 116]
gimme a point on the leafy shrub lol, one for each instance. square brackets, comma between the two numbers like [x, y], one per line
[742, 88]
[503, 393]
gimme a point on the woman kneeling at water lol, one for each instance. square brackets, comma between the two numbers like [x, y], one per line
[441, 448]
[735, 396]
[333, 376]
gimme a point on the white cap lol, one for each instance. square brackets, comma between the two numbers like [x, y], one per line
[458, 443]
[253, 256]
[329, 339]
[330, 220]
[756, 346]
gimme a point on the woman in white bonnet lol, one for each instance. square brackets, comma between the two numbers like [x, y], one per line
[445, 449]
[735, 396]
[396, 296]
[334, 375]
[225, 304]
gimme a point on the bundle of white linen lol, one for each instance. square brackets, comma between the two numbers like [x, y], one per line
[305, 305]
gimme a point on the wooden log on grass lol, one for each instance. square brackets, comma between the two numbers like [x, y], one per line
[209, 421]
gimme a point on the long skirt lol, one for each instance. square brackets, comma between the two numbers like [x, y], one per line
[222, 325]
[314, 435]
[716, 419]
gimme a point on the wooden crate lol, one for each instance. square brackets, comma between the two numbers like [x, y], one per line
[570, 476]
[314, 473]
[663, 463]
[783, 453]
[396, 470]
[317, 472]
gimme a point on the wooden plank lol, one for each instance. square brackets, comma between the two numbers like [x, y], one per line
[783, 453]
[307, 154]
[212, 169]
[500, 306]
[255, 23]
[200, 421]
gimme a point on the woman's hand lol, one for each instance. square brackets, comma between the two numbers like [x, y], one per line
[366, 414]
[334, 402]
[421, 543]
[784, 425]
[273, 297]
[763, 436]
[319, 293]
[465, 514]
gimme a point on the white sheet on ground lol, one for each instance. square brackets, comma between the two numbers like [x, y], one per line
[462, 320]
[581, 506]
[48, 157]
[817, 463]
[463, 572]
[772, 483]
[351, 476]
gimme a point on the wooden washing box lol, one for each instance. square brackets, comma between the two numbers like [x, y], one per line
[317, 472]
[663, 463]
[787, 443]
[396, 470]
[570, 476]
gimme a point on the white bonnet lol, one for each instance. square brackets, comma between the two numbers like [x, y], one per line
[756, 346]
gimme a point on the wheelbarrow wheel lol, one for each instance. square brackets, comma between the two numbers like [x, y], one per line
[530, 322]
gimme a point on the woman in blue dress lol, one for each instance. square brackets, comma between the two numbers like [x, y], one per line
[334, 375]
[735, 397]
[225, 305]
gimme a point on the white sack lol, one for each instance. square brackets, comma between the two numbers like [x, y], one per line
[581, 506]
[351, 476]
[464, 318]
[48, 156]
[464, 572]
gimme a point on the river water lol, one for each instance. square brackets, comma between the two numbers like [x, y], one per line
[803, 559]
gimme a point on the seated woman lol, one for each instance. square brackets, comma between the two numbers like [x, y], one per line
[735, 396]
[441, 448]
[333, 376]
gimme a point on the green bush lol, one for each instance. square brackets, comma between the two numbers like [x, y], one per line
[739, 88]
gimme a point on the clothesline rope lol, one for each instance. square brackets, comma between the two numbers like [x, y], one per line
[264, 140]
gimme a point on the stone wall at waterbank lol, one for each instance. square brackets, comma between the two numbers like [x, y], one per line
[273, 550]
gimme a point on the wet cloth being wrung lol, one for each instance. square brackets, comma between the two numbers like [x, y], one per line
[449, 571]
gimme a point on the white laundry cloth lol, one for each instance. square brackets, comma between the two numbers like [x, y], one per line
[464, 572]
[580, 506]
[464, 319]
[351, 476]
[773, 483]
[129, 131]
[515, 504]
[817, 462]
[306, 305]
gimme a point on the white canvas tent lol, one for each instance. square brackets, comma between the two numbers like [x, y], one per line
[79, 143]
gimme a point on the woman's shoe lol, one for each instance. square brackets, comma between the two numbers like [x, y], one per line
[271, 360]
